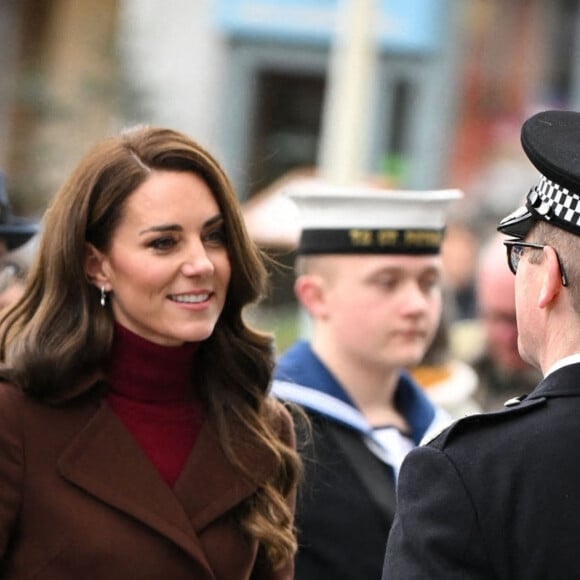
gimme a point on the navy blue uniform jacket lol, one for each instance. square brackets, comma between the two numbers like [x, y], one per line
[495, 495]
[347, 501]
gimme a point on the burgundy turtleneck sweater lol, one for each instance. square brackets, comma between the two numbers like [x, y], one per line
[152, 394]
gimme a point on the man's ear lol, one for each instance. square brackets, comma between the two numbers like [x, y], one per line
[309, 289]
[95, 268]
[552, 281]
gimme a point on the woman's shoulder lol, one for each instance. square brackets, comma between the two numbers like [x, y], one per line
[10, 395]
[13, 406]
[278, 415]
[15, 402]
[15, 399]
[276, 411]
[284, 418]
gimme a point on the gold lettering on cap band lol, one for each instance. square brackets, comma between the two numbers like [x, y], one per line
[382, 238]
[361, 237]
[387, 237]
[422, 238]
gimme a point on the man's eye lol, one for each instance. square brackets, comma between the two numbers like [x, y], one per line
[429, 283]
[388, 283]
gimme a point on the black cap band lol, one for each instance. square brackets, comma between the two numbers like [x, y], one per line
[367, 241]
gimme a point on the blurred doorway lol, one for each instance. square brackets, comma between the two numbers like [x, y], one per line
[287, 124]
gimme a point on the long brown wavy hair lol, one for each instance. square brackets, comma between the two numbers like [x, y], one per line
[58, 334]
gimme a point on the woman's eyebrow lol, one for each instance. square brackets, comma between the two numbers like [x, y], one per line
[178, 228]
[216, 219]
[161, 228]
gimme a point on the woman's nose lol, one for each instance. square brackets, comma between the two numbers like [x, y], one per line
[197, 261]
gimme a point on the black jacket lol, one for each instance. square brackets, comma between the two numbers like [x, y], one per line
[346, 502]
[495, 495]
[345, 507]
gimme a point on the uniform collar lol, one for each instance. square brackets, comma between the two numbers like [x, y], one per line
[302, 378]
[567, 360]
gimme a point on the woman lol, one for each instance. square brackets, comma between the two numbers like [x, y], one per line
[137, 439]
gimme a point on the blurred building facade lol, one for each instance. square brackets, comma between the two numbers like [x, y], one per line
[59, 92]
[454, 79]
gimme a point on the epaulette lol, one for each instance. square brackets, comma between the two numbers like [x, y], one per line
[435, 434]
[512, 408]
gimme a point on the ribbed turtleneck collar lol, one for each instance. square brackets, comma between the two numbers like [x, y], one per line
[148, 372]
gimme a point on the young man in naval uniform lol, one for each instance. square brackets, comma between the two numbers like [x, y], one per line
[369, 276]
[498, 495]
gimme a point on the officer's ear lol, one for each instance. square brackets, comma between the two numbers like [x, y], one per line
[552, 278]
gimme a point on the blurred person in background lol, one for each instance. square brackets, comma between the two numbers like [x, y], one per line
[449, 382]
[459, 255]
[15, 232]
[369, 277]
[137, 435]
[12, 283]
[447, 376]
[502, 373]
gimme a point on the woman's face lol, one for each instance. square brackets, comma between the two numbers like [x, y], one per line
[167, 269]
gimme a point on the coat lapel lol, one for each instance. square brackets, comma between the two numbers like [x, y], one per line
[106, 462]
[210, 485]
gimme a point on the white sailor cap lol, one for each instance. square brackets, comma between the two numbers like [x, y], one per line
[367, 220]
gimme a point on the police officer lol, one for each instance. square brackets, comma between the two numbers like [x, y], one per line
[498, 495]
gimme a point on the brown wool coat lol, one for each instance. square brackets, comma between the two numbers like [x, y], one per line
[79, 499]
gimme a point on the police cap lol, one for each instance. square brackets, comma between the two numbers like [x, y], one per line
[551, 140]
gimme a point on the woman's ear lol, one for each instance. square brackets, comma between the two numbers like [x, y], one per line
[95, 268]
[552, 281]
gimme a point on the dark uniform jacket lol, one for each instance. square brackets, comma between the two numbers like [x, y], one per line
[496, 496]
[80, 500]
[347, 501]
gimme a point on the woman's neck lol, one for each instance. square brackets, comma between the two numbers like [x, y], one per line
[142, 370]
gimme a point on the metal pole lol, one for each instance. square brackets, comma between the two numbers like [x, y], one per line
[344, 137]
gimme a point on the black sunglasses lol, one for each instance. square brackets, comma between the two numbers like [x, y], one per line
[515, 250]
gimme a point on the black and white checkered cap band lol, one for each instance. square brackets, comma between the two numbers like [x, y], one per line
[548, 199]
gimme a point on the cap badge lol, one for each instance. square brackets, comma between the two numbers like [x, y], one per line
[543, 209]
[533, 197]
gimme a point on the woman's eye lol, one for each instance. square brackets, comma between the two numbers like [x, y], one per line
[165, 243]
[217, 237]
